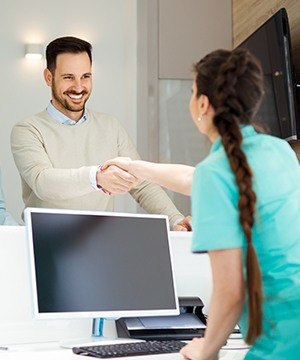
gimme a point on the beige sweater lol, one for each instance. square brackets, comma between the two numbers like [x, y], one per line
[54, 162]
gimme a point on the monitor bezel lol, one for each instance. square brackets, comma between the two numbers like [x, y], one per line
[90, 314]
[283, 74]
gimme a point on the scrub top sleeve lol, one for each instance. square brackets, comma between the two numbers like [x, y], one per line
[215, 215]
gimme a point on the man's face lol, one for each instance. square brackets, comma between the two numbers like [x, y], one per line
[71, 83]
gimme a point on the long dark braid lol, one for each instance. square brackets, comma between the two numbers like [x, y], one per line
[235, 95]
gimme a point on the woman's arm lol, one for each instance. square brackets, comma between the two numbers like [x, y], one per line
[175, 177]
[226, 304]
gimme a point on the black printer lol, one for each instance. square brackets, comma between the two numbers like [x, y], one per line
[188, 324]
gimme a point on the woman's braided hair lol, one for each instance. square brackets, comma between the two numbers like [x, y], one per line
[233, 83]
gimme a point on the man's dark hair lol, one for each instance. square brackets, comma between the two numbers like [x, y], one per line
[67, 44]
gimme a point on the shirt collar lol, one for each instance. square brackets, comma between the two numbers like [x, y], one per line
[61, 118]
[247, 131]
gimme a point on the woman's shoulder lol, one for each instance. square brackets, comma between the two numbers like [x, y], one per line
[265, 146]
[215, 162]
[215, 169]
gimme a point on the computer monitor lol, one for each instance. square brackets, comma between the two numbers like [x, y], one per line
[99, 264]
[271, 44]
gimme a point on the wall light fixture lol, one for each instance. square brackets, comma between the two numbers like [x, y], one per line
[33, 51]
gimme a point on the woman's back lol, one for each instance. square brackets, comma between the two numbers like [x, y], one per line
[275, 234]
[276, 237]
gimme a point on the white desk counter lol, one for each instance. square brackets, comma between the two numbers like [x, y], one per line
[38, 339]
[52, 351]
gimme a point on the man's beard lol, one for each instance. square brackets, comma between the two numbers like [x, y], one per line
[64, 102]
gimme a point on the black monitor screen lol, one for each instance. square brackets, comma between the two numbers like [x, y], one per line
[90, 262]
[271, 45]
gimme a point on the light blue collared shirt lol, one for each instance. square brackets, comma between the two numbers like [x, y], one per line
[62, 118]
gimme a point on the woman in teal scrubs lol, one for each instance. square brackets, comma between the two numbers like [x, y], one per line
[245, 212]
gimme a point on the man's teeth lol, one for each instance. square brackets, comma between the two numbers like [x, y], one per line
[75, 96]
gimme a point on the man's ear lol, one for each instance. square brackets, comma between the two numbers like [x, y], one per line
[48, 77]
[203, 104]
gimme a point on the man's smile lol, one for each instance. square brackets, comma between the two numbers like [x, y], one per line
[76, 97]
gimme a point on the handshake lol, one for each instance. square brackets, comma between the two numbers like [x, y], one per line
[116, 177]
[121, 174]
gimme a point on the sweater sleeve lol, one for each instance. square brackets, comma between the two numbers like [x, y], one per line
[151, 197]
[36, 170]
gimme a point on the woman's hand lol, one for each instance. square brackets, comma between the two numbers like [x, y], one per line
[195, 351]
[122, 162]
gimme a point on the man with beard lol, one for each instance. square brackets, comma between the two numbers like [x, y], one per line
[59, 151]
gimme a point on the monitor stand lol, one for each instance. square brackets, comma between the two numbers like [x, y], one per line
[96, 336]
[97, 327]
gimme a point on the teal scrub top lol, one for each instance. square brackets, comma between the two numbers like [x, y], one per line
[276, 232]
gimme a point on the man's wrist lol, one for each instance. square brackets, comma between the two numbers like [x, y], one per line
[177, 221]
[99, 186]
[93, 176]
[93, 179]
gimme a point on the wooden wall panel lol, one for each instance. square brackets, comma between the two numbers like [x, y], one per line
[248, 15]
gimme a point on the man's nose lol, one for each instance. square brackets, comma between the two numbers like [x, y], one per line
[77, 85]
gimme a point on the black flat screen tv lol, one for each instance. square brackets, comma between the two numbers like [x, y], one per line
[271, 44]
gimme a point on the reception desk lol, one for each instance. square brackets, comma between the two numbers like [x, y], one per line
[25, 336]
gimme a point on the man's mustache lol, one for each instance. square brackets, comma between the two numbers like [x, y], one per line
[83, 92]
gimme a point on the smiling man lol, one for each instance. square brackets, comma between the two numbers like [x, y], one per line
[59, 151]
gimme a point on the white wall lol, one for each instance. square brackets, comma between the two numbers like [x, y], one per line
[110, 25]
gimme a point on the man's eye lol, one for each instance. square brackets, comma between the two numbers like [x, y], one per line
[67, 77]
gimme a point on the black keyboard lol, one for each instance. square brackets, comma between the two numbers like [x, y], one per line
[130, 349]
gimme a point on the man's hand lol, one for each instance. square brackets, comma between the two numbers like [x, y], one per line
[121, 162]
[183, 225]
[115, 180]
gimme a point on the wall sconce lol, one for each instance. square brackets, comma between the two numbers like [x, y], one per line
[33, 51]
